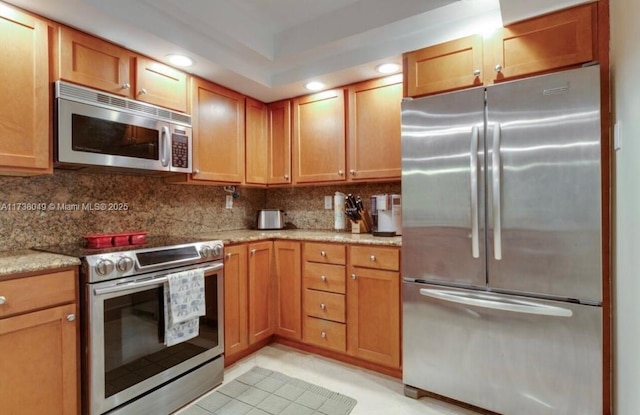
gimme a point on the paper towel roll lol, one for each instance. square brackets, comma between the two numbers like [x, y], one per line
[339, 219]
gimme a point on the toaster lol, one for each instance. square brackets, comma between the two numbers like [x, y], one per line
[270, 219]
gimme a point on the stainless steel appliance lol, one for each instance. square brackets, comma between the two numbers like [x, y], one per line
[126, 367]
[97, 130]
[270, 219]
[386, 213]
[501, 247]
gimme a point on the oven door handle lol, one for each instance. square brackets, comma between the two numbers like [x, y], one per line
[145, 283]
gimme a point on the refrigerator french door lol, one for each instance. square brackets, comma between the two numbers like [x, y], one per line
[501, 242]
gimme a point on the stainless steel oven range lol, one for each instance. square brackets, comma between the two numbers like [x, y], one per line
[126, 366]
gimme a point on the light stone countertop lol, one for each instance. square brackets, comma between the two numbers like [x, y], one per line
[29, 261]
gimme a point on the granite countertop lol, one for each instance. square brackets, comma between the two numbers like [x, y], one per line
[29, 261]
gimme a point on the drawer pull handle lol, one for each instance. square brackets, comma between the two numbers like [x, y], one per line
[323, 307]
[323, 253]
[372, 258]
[323, 278]
[323, 335]
[71, 317]
[3, 299]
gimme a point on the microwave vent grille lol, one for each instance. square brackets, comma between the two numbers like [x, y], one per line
[89, 96]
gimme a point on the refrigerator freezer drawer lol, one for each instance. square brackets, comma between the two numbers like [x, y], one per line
[508, 354]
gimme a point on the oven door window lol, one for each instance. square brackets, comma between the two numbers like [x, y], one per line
[134, 337]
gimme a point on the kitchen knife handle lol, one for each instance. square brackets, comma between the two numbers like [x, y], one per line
[497, 303]
[496, 166]
[475, 215]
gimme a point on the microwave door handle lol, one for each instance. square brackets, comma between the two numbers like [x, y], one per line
[164, 146]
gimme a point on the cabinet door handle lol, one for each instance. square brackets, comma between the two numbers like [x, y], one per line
[476, 72]
[3, 299]
[126, 86]
[352, 172]
[353, 276]
[340, 173]
[229, 255]
[323, 307]
[142, 91]
[286, 177]
[71, 317]
[498, 68]
[253, 251]
[323, 335]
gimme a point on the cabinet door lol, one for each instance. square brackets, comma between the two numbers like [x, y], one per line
[261, 320]
[545, 43]
[236, 320]
[95, 63]
[25, 146]
[256, 142]
[39, 363]
[319, 137]
[218, 133]
[373, 315]
[452, 65]
[374, 129]
[280, 142]
[289, 280]
[160, 84]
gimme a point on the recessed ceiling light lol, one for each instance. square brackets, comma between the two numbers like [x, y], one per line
[180, 60]
[388, 68]
[314, 86]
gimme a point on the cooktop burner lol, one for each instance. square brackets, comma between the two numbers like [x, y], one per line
[80, 251]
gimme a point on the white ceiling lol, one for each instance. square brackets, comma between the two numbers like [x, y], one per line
[268, 49]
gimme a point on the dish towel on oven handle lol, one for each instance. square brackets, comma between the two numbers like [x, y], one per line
[184, 303]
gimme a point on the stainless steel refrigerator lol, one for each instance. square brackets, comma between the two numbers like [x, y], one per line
[501, 245]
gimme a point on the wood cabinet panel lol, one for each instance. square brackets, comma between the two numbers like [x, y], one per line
[325, 305]
[279, 142]
[373, 316]
[325, 253]
[544, 43]
[39, 362]
[374, 129]
[325, 277]
[287, 256]
[52, 289]
[451, 65]
[325, 333]
[25, 116]
[256, 142]
[236, 295]
[261, 321]
[160, 84]
[375, 257]
[95, 63]
[319, 137]
[218, 133]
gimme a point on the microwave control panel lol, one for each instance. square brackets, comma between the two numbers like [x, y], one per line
[179, 151]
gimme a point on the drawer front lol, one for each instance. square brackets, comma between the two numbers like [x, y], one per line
[375, 257]
[325, 277]
[22, 295]
[328, 306]
[324, 333]
[325, 253]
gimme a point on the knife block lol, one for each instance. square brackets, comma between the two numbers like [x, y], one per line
[363, 225]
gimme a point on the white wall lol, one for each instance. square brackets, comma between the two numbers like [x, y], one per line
[625, 61]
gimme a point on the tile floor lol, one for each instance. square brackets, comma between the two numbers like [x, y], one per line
[376, 394]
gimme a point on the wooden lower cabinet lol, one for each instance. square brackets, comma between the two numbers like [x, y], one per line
[236, 297]
[261, 321]
[39, 346]
[288, 289]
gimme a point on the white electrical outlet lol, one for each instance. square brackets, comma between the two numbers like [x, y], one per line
[229, 202]
[328, 202]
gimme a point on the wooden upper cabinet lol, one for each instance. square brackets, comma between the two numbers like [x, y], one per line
[557, 40]
[319, 137]
[374, 129]
[218, 133]
[25, 118]
[161, 85]
[256, 142]
[452, 65]
[93, 62]
[279, 142]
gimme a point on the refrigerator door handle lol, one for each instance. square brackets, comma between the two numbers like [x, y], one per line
[496, 164]
[475, 219]
[516, 306]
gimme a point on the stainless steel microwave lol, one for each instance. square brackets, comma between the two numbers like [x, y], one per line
[100, 130]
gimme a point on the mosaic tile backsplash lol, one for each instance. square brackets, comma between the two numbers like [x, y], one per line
[61, 208]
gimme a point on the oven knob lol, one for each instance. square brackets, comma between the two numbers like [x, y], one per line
[104, 267]
[205, 251]
[217, 250]
[124, 264]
